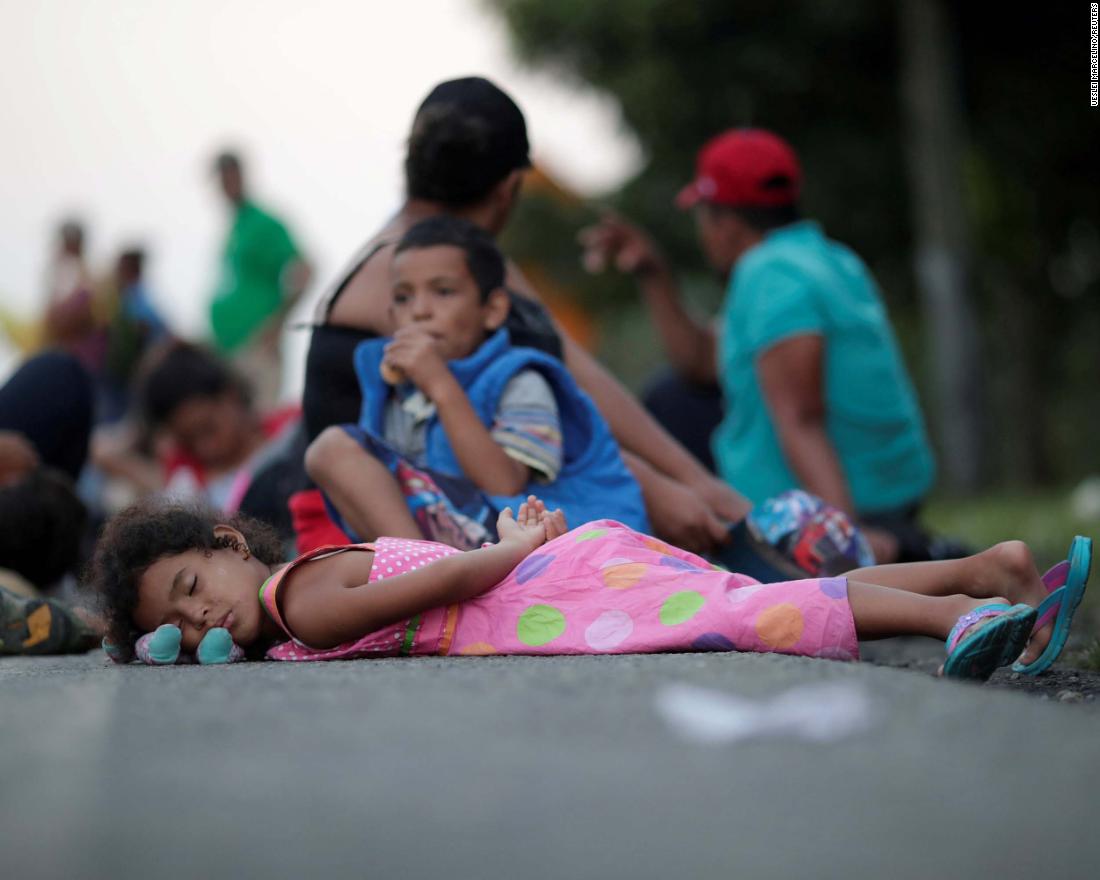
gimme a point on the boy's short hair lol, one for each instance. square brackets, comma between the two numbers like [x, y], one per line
[179, 372]
[483, 257]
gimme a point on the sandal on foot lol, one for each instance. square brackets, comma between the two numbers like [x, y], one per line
[1066, 582]
[975, 652]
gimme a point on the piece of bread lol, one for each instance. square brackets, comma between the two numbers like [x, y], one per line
[390, 374]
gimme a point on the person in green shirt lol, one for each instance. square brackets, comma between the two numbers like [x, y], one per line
[262, 275]
[817, 395]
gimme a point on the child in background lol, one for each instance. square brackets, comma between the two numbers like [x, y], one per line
[601, 588]
[209, 439]
[470, 423]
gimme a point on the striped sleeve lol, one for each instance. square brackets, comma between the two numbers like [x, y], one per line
[527, 425]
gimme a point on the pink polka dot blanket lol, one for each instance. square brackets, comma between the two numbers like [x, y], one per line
[600, 588]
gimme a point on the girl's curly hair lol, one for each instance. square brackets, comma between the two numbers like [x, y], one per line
[153, 529]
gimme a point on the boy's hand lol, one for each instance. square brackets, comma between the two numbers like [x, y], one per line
[532, 526]
[415, 353]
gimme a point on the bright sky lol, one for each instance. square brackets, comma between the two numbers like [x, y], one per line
[112, 109]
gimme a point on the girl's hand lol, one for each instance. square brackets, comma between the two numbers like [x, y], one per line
[531, 527]
[554, 524]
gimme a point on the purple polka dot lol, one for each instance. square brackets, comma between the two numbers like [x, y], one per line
[713, 642]
[834, 588]
[678, 564]
[532, 567]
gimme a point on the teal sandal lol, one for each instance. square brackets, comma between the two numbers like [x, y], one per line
[976, 654]
[1066, 582]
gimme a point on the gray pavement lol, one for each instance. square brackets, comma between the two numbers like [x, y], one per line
[527, 768]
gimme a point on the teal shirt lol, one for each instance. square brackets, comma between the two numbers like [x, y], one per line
[250, 289]
[797, 282]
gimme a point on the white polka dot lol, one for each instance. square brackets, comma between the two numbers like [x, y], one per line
[608, 630]
[740, 594]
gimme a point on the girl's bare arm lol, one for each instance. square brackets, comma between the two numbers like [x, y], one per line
[329, 613]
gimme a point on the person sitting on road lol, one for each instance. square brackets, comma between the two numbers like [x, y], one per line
[819, 396]
[209, 440]
[600, 588]
[470, 422]
[467, 155]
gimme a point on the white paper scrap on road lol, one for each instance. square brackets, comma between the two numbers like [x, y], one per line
[818, 712]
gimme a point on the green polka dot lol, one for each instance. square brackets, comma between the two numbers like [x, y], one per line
[681, 607]
[591, 534]
[539, 625]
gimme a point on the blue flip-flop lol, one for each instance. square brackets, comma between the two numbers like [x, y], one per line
[980, 652]
[1061, 604]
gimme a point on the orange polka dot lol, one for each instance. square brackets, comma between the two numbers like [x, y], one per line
[478, 649]
[657, 546]
[780, 626]
[623, 577]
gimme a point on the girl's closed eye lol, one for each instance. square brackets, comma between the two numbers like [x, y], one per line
[194, 585]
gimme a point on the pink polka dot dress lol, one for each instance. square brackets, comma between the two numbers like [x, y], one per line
[599, 589]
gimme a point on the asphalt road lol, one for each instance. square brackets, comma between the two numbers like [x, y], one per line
[528, 768]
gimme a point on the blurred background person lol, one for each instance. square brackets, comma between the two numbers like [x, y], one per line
[45, 422]
[134, 326]
[71, 320]
[804, 350]
[262, 275]
[199, 434]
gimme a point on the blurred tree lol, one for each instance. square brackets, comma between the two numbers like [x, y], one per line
[933, 148]
[828, 74]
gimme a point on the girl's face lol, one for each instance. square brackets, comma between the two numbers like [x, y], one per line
[201, 589]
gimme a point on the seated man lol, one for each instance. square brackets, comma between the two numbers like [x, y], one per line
[804, 349]
[469, 423]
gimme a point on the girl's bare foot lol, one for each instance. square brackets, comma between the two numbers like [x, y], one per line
[1009, 569]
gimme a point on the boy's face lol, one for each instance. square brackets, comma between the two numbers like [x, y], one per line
[198, 590]
[434, 291]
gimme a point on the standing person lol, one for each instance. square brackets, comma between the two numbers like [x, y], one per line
[134, 326]
[70, 319]
[804, 350]
[262, 275]
[467, 154]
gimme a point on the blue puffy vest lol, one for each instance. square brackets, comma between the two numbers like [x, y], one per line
[593, 483]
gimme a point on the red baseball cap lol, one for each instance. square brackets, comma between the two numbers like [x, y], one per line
[746, 167]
